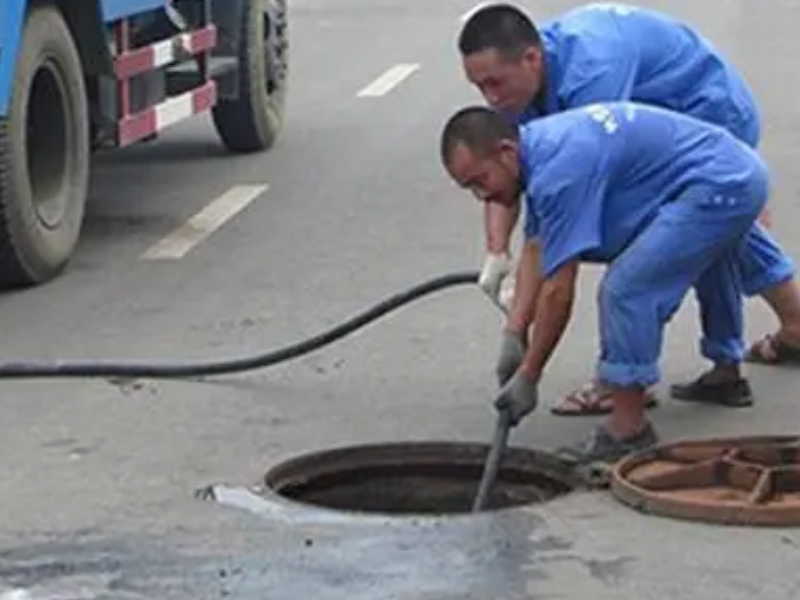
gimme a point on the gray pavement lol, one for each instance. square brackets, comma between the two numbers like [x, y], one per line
[97, 477]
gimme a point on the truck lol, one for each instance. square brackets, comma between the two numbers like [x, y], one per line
[82, 76]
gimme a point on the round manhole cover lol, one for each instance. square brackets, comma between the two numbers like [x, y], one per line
[417, 478]
[744, 481]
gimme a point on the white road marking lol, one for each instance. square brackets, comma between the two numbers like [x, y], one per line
[17, 594]
[465, 17]
[390, 79]
[178, 243]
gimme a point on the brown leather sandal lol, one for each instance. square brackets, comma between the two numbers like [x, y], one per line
[770, 350]
[591, 399]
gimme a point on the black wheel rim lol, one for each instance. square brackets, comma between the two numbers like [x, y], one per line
[48, 137]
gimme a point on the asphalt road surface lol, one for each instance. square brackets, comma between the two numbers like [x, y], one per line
[97, 477]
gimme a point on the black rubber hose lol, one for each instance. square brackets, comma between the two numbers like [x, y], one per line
[116, 368]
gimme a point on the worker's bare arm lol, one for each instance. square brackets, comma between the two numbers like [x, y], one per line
[526, 289]
[553, 311]
[499, 221]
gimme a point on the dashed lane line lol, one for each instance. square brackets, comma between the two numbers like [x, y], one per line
[388, 81]
[180, 242]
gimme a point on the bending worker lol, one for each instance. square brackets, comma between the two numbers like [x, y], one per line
[666, 200]
[607, 53]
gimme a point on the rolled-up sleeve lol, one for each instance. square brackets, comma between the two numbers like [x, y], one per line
[565, 203]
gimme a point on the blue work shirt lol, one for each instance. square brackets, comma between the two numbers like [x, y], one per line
[595, 177]
[613, 52]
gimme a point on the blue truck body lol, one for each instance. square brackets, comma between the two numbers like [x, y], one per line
[116, 9]
[84, 76]
[12, 17]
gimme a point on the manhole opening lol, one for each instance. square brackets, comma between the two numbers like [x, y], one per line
[432, 478]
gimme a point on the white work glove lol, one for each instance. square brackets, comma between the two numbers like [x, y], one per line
[507, 292]
[496, 268]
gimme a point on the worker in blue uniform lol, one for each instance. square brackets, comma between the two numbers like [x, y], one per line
[666, 200]
[607, 52]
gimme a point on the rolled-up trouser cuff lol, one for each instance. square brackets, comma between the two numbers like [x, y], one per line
[628, 375]
[762, 261]
[777, 274]
[727, 352]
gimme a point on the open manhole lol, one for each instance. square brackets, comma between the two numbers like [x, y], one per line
[417, 478]
[744, 481]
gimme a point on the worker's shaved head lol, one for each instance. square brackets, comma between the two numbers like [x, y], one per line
[501, 27]
[478, 128]
[480, 150]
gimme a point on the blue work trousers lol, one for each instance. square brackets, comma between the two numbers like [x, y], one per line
[762, 263]
[698, 240]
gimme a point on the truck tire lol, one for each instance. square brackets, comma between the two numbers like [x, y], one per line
[44, 154]
[252, 121]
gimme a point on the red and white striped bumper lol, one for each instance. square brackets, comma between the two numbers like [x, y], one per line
[160, 54]
[129, 63]
[152, 120]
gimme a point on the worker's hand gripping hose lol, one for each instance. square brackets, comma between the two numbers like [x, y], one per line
[518, 397]
[177, 369]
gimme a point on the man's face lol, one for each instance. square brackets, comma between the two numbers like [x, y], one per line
[492, 176]
[509, 85]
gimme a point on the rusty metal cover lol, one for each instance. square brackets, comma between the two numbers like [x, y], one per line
[740, 481]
